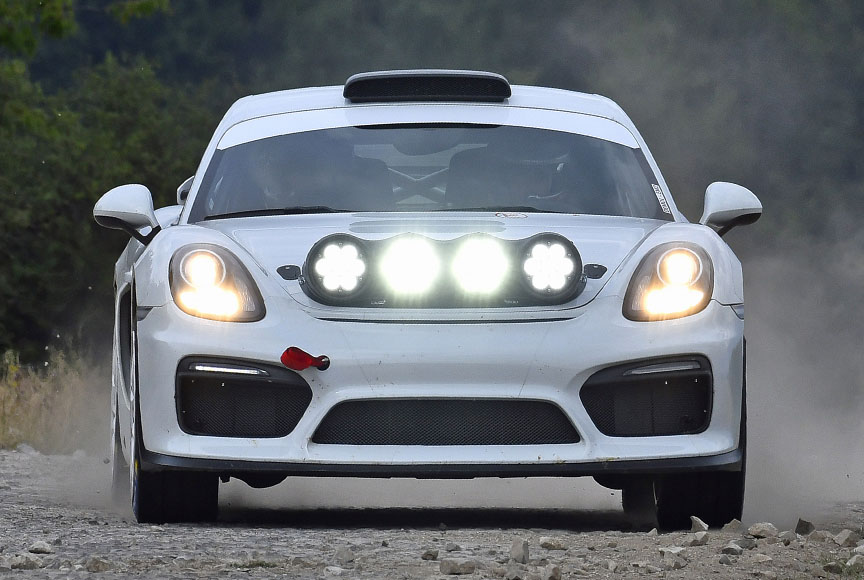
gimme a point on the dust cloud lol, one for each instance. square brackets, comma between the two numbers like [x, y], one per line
[805, 331]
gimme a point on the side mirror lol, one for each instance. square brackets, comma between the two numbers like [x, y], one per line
[183, 190]
[728, 205]
[128, 208]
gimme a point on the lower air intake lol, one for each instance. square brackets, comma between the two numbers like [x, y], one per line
[624, 402]
[445, 422]
[222, 405]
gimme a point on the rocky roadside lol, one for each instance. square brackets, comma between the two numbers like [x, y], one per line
[47, 534]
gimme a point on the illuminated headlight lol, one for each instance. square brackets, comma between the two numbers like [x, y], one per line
[410, 265]
[210, 282]
[673, 280]
[340, 267]
[480, 265]
[552, 268]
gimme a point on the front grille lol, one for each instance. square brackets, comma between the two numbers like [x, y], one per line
[445, 422]
[622, 403]
[229, 405]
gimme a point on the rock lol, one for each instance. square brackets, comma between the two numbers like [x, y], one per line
[821, 536]
[429, 554]
[612, 565]
[767, 574]
[552, 543]
[451, 547]
[859, 549]
[333, 571]
[745, 542]
[653, 532]
[343, 556]
[847, 539]
[646, 566]
[385, 544]
[24, 562]
[760, 558]
[855, 564]
[732, 549]
[673, 558]
[833, 568]
[697, 525]
[97, 564]
[457, 566]
[763, 530]
[697, 539]
[26, 450]
[674, 563]
[673, 551]
[726, 560]
[40, 547]
[612, 544]
[788, 537]
[733, 526]
[804, 527]
[514, 571]
[519, 551]
[551, 572]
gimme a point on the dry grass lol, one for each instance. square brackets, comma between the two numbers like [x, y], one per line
[58, 408]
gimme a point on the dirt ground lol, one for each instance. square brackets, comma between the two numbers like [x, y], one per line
[56, 521]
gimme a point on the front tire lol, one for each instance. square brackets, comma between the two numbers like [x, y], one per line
[164, 496]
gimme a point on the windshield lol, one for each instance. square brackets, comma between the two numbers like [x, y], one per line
[406, 168]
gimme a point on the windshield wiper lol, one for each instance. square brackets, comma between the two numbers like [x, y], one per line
[276, 211]
[523, 208]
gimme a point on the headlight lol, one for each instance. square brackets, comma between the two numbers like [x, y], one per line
[336, 267]
[673, 280]
[410, 265]
[210, 282]
[480, 265]
[552, 267]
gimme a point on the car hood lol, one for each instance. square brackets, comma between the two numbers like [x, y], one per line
[285, 240]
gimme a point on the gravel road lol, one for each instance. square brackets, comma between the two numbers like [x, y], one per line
[55, 521]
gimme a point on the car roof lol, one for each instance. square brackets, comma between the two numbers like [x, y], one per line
[317, 98]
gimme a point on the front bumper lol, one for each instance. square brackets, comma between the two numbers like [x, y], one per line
[539, 361]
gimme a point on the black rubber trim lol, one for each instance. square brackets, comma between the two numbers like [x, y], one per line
[730, 461]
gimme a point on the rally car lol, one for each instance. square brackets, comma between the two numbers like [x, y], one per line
[428, 274]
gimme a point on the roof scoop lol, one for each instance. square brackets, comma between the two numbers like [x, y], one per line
[427, 85]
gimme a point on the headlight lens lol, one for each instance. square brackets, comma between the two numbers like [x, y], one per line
[410, 265]
[549, 267]
[480, 265]
[340, 267]
[673, 280]
[210, 282]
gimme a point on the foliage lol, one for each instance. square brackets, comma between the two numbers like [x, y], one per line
[59, 408]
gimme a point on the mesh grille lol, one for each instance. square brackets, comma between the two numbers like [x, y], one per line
[445, 422]
[663, 404]
[231, 407]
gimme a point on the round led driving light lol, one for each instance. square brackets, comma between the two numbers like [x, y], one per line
[480, 265]
[340, 267]
[202, 269]
[549, 266]
[410, 265]
[679, 267]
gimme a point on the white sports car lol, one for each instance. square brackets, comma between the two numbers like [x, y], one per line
[428, 274]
